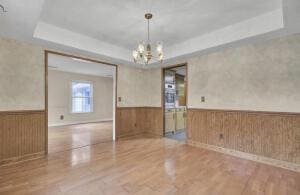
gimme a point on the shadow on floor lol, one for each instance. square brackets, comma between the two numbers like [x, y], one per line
[179, 135]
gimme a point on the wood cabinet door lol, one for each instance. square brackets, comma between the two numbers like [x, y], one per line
[170, 121]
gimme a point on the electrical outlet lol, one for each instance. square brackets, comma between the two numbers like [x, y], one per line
[221, 136]
[119, 99]
[203, 99]
[62, 117]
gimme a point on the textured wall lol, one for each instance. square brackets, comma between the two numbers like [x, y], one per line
[152, 97]
[21, 76]
[138, 87]
[263, 76]
[59, 101]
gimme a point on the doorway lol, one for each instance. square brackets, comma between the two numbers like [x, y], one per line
[80, 101]
[175, 101]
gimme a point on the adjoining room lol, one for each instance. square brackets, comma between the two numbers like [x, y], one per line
[175, 96]
[80, 102]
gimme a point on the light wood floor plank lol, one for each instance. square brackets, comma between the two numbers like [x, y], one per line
[145, 165]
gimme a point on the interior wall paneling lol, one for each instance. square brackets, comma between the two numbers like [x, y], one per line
[274, 135]
[139, 120]
[153, 119]
[22, 134]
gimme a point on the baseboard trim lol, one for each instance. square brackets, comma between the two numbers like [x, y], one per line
[252, 157]
[79, 122]
[130, 134]
[154, 134]
[23, 158]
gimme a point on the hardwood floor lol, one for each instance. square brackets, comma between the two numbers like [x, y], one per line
[74, 136]
[145, 165]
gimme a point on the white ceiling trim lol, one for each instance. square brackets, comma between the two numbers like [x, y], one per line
[21, 23]
[74, 65]
[265, 23]
[262, 24]
[66, 37]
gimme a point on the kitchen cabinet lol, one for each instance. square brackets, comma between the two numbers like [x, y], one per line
[170, 120]
[175, 119]
[180, 119]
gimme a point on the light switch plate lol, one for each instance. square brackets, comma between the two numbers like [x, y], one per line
[203, 99]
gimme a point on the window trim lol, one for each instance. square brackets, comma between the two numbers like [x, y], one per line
[71, 96]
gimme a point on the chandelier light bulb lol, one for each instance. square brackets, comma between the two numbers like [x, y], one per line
[135, 54]
[159, 48]
[141, 48]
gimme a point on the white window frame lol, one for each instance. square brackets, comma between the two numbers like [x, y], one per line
[71, 96]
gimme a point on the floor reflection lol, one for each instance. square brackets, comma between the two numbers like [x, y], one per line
[68, 137]
[81, 155]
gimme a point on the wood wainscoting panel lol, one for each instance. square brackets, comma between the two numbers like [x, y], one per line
[269, 134]
[138, 120]
[22, 135]
[154, 120]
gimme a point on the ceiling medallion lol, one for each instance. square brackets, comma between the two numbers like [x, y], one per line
[144, 52]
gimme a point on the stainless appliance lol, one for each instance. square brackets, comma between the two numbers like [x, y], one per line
[170, 89]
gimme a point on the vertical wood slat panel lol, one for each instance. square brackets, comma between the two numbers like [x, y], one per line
[270, 134]
[136, 120]
[22, 133]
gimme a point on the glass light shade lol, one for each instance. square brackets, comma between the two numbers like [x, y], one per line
[160, 56]
[135, 54]
[144, 52]
[146, 59]
[141, 48]
[159, 48]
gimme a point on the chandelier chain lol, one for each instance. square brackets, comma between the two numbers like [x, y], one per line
[148, 31]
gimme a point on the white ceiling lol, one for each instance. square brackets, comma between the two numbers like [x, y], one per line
[68, 64]
[181, 70]
[122, 22]
[108, 30]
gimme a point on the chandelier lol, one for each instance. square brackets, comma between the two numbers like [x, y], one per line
[144, 52]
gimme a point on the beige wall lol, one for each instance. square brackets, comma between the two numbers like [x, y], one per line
[22, 82]
[263, 76]
[139, 87]
[59, 101]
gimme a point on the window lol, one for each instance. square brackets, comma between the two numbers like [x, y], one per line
[82, 97]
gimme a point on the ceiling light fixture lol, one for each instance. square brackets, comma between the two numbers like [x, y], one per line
[143, 52]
